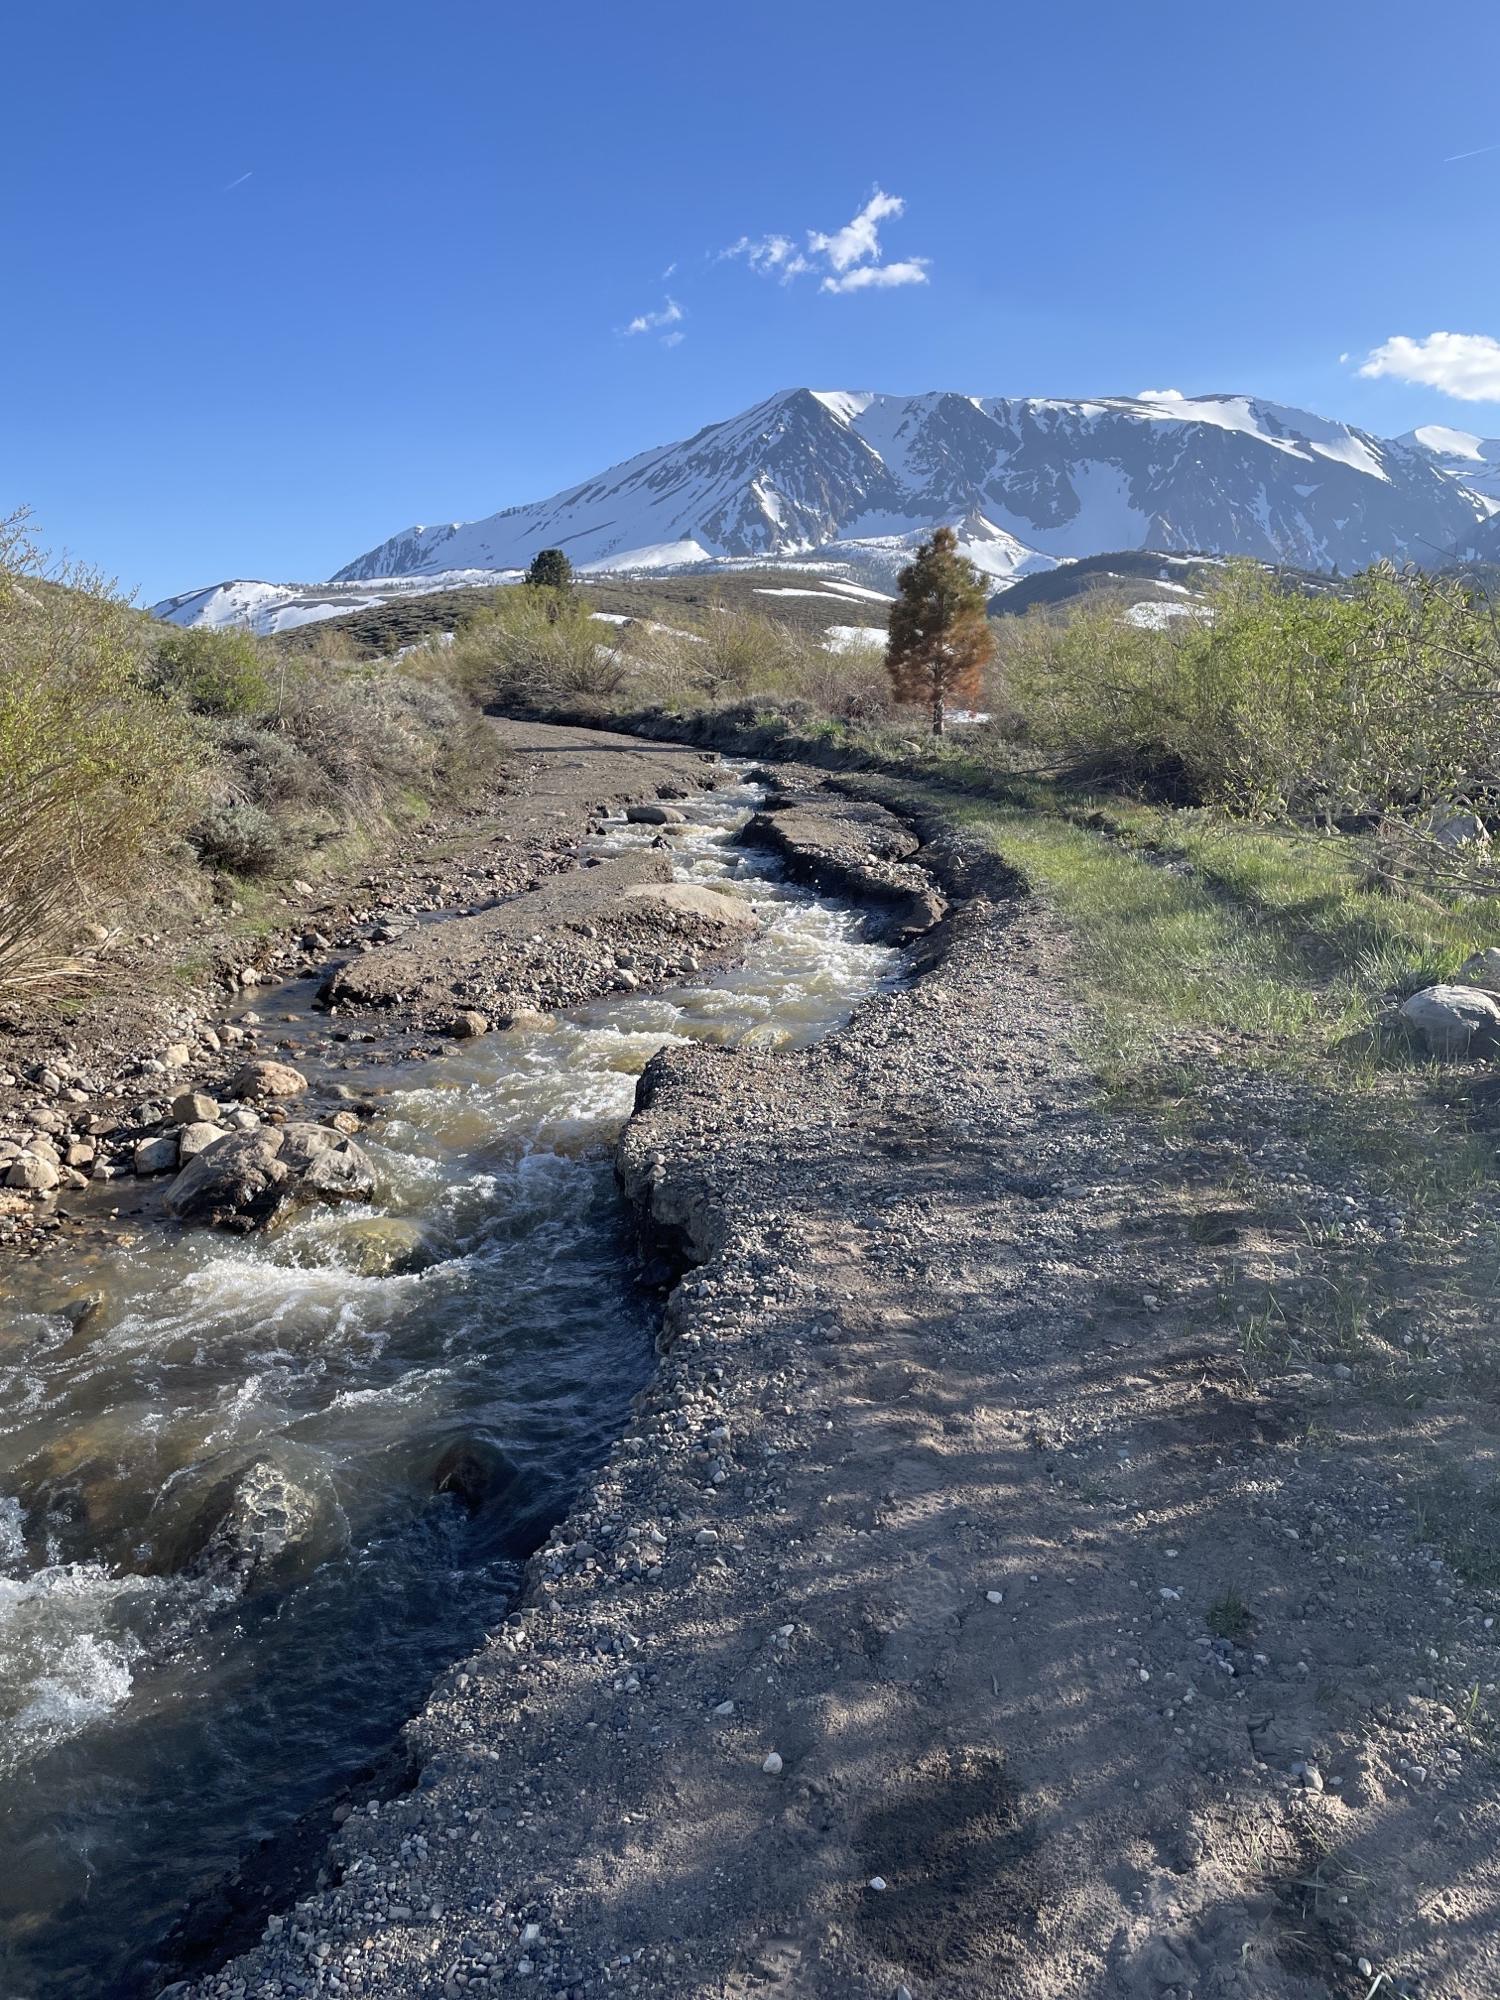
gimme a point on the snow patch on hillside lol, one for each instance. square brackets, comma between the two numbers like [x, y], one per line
[854, 639]
[268, 608]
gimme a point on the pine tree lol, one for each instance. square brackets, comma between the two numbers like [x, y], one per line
[940, 641]
[550, 570]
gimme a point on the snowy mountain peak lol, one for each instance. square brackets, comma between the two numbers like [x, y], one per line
[859, 477]
[1472, 461]
[807, 469]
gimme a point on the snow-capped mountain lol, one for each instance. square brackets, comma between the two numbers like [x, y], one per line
[1471, 461]
[854, 480]
[1033, 481]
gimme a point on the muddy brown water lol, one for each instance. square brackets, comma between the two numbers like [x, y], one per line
[264, 1494]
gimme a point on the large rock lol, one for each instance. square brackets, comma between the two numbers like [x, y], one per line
[302, 1142]
[344, 1172]
[197, 1138]
[156, 1156]
[653, 815]
[382, 1246]
[194, 1107]
[234, 1184]
[263, 1079]
[1454, 1021]
[29, 1170]
[1456, 826]
[265, 1522]
[690, 899]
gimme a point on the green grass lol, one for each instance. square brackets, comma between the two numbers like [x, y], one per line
[1200, 940]
[1187, 922]
[1228, 1617]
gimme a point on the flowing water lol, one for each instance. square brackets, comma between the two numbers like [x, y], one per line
[258, 1500]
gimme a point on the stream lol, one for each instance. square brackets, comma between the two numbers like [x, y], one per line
[258, 1500]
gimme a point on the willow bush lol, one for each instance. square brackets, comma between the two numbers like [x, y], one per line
[1378, 697]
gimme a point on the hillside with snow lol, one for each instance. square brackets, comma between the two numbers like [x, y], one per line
[269, 608]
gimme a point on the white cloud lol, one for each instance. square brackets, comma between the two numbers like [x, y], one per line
[1160, 396]
[1463, 365]
[674, 339]
[669, 315]
[846, 260]
[872, 277]
[769, 256]
[858, 240]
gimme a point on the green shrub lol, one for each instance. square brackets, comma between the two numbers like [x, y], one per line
[537, 645]
[263, 767]
[215, 673]
[1378, 698]
[94, 774]
[240, 839]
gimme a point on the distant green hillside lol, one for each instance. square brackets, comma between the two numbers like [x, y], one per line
[686, 601]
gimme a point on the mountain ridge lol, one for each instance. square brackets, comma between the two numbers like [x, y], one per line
[858, 476]
[1040, 479]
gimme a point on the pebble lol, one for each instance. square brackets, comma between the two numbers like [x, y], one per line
[994, 1597]
[772, 1766]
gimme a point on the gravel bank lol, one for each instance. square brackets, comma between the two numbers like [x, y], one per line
[959, 1616]
[523, 926]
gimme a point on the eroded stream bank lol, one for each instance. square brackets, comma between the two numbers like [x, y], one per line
[266, 1488]
[958, 1613]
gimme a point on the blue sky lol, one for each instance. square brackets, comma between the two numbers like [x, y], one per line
[282, 278]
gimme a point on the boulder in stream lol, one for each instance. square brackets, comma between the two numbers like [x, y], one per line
[342, 1172]
[197, 1138]
[263, 1078]
[382, 1246]
[241, 1180]
[302, 1142]
[265, 1521]
[692, 899]
[236, 1183]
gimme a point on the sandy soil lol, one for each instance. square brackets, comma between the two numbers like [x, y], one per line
[960, 1616]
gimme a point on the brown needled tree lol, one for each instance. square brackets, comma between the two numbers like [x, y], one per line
[940, 641]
